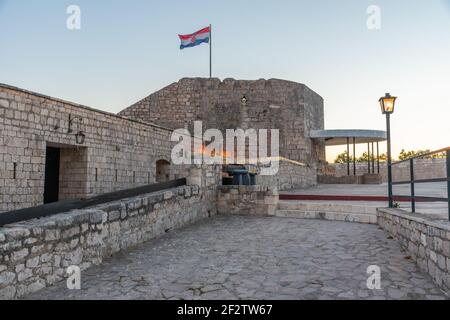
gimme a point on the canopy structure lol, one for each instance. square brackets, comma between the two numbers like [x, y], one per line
[354, 137]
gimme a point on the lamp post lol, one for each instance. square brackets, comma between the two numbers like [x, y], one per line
[387, 104]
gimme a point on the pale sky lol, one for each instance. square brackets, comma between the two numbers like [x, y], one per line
[126, 50]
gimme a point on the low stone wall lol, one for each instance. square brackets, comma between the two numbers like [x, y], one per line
[252, 200]
[426, 241]
[364, 179]
[423, 169]
[36, 253]
[290, 176]
[328, 179]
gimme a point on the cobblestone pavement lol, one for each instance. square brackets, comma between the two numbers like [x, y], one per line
[239, 257]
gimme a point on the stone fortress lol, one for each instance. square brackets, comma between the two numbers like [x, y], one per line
[291, 107]
[38, 136]
[53, 150]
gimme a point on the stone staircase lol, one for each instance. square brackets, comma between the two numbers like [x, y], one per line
[349, 212]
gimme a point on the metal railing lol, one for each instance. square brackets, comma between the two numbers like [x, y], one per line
[413, 181]
[68, 205]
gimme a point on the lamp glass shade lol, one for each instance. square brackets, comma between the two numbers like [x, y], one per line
[80, 137]
[387, 104]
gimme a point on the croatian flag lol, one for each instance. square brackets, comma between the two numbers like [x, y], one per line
[195, 39]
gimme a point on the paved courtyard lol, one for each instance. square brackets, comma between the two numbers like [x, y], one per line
[432, 189]
[236, 257]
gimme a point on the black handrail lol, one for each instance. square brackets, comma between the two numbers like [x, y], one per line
[68, 205]
[412, 181]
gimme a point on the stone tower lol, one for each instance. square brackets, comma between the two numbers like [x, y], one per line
[291, 107]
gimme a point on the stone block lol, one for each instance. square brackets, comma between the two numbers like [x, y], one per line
[95, 216]
[168, 195]
[19, 255]
[6, 278]
[441, 262]
[7, 293]
[114, 215]
[16, 233]
[51, 235]
[32, 263]
[69, 233]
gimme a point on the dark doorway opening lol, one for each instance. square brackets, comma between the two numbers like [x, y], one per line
[162, 171]
[51, 187]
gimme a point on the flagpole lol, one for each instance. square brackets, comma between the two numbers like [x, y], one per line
[210, 51]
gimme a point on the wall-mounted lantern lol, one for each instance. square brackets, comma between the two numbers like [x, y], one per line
[80, 137]
[244, 101]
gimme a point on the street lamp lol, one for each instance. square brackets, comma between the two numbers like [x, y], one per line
[387, 104]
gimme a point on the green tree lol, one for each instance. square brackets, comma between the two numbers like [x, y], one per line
[383, 157]
[365, 157]
[404, 155]
[342, 158]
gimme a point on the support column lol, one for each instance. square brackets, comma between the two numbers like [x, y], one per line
[348, 156]
[354, 156]
[378, 157]
[373, 159]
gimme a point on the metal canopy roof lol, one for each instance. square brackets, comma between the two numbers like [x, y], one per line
[339, 137]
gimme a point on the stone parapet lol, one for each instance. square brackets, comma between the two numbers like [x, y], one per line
[426, 241]
[290, 176]
[36, 254]
[423, 169]
[247, 200]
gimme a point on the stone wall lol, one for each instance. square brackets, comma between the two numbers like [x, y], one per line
[249, 200]
[291, 175]
[291, 107]
[427, 241]
[35, 254]
[118, 153]
[423, 169]
[362, 179]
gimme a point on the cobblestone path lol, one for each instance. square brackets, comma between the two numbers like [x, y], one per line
[235, 257]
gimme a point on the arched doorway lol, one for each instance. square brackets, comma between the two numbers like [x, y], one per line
[162, 170]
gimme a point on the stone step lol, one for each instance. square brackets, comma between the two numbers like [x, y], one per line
[367, 218]
[309, 206]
